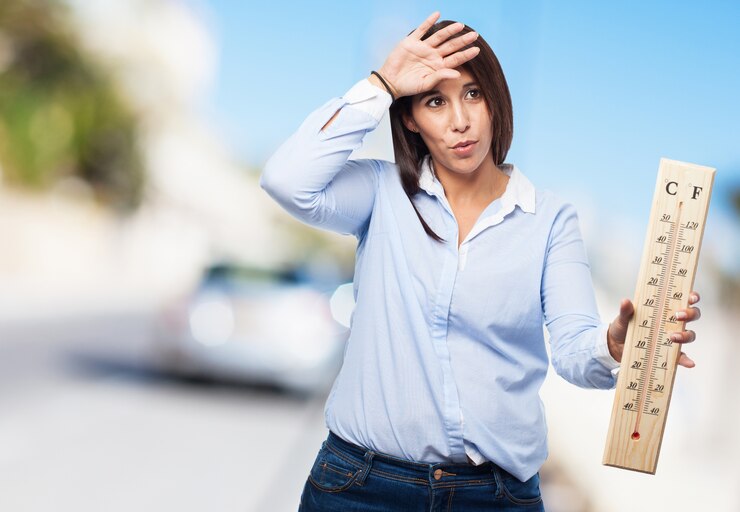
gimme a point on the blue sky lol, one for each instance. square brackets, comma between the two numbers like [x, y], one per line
[601, 90]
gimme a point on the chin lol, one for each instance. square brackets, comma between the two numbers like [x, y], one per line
[462, 165]
[466, 165]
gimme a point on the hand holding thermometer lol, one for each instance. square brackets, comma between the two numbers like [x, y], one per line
[666, 278]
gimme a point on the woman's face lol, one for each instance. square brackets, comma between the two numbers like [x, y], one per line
[455, 124]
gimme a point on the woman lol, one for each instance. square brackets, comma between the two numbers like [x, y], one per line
[459, 263]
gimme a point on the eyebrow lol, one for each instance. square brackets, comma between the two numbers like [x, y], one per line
[436, 91]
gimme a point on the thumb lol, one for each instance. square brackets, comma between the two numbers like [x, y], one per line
[618, 328]
[626, 310]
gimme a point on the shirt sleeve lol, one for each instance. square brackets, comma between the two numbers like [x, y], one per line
[577, 336]
[310, 175]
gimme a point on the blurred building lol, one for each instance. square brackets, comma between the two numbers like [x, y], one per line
[66, 252]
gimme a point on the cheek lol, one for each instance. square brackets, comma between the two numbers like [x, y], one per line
[430, 137]
[487, 132]
[430, 127]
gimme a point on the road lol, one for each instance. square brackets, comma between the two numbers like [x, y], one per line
[88, 425]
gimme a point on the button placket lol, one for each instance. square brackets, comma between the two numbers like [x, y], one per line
[462, 256]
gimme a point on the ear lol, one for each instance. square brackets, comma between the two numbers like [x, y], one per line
[409, 123]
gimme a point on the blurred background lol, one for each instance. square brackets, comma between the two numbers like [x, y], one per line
[168, 334]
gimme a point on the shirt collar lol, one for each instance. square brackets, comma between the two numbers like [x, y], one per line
[519, 191]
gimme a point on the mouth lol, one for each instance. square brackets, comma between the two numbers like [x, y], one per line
[464, 147]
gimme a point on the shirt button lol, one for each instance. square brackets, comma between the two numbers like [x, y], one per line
[438, 474]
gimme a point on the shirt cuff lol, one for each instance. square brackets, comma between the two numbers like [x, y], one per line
[601, 352]
[369, 98]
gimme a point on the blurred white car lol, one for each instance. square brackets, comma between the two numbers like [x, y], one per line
[258, 326]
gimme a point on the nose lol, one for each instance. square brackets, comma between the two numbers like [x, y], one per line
[460, 117]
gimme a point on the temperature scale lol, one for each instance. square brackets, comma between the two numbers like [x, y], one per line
[666, 278]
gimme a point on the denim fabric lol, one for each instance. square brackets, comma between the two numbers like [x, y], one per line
[348, 478]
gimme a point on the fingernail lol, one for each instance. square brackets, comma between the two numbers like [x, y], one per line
[681, 315]
[675, 337]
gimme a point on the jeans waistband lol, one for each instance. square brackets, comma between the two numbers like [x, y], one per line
[434, 473]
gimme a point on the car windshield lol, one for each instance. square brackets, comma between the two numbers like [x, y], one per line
[245, 274]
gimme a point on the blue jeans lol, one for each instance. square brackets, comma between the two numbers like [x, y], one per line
[347, 478]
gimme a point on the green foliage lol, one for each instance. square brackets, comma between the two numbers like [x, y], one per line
[60, 115]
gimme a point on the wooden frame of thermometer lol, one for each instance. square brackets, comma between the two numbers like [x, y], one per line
[666, 278]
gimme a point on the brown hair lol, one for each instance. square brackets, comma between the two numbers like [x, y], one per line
[409, 148]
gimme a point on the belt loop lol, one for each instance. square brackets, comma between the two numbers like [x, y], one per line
[497, 477]
[365, 470]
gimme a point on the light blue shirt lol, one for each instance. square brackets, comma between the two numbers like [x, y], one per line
[446, 353]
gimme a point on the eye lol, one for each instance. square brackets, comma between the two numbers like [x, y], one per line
[475, 93]
[431, 103]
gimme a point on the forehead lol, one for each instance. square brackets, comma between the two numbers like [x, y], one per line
[465, 76]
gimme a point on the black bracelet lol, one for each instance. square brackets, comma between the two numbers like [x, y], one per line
[385, 84]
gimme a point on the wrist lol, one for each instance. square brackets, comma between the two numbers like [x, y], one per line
[385, 81]
[376, 82]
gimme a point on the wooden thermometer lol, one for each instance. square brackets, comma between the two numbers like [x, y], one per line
[666, 278]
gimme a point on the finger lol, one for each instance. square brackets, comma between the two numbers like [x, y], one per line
[689, 315]
[626, 310]
[425, 25]
[694, 297]
[686, 361]
[454, 44]
[683, 337]
[443, 35]
[441, 74]
[456, 59]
